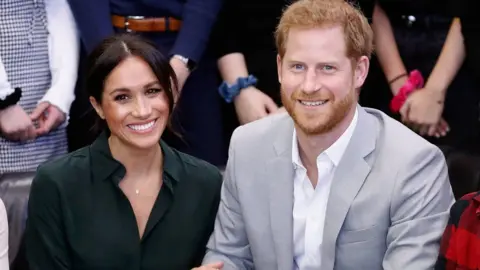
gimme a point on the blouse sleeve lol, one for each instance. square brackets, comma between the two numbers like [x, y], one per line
[45, 234]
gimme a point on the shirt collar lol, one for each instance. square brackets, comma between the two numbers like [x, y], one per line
[335, 151]
[477, 200]
[104, 166]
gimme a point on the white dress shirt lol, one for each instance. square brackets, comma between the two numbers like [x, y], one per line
[64, 47]
[310, 204]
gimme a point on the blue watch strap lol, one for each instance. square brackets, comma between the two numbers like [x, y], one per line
[229, 92]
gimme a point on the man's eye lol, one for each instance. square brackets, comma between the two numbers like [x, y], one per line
[328, 68]
[298, 67]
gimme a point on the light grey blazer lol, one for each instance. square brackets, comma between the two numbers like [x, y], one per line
[387, 209]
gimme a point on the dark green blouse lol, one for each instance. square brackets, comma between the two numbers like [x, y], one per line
[80, 219]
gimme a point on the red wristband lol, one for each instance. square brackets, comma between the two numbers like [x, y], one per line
[414, 82]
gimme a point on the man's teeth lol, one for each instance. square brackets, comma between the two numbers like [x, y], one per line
[142, 127]
[313, 103]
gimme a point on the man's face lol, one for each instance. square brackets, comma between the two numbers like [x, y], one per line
[318, 80]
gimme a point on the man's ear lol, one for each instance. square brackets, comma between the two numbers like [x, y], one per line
[361, 71]
[279, 68]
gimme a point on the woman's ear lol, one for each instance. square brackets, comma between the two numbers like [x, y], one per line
[97, 107]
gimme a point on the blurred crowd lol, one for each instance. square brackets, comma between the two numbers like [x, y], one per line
[424, 72]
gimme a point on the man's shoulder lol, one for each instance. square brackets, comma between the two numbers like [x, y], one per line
[396, 140]
[263, 130]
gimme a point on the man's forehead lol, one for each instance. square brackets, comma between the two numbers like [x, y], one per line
[316, 41]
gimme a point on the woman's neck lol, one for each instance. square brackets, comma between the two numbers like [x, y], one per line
[138, 163]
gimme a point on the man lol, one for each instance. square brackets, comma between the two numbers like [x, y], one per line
[38, 70]
[330, 185]
[181, 29]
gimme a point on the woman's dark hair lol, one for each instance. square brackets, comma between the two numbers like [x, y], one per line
[115, 49]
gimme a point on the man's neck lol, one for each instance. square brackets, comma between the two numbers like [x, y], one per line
[311, 146]
[138, 163]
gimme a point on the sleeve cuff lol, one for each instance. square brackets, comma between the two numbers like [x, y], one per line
[62, 103]
[5, 91]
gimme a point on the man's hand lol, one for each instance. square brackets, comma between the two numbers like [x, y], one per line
[16, 125]
[210, 266]
[48, 116]
[252, 104]
[423, 111]
[181, 71]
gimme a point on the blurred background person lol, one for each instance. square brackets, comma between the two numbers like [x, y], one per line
[245, 46]
[38, 70]
[181, 29]
[423, 35]
[4, 263]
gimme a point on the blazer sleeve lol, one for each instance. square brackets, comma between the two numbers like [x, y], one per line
[45, 234]
[197, 22]
[4, 264]
[93, 20]
[420, 206]
[229, 243]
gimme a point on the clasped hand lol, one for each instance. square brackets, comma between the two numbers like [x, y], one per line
[422, 112]
[17, 125]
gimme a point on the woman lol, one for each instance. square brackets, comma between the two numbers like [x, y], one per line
[128, 201]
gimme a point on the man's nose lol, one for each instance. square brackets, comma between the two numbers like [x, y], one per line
[311, 82]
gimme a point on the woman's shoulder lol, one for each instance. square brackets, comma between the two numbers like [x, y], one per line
[70, 166]
[195, 169]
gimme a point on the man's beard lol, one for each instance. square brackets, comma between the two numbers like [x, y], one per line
[316, 123]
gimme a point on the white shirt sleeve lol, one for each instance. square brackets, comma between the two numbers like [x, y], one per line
[5, 87]
[64, 49]
[4, 264]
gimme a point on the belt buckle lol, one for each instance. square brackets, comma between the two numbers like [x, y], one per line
[127, 23]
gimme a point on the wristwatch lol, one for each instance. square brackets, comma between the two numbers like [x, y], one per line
[189, 63]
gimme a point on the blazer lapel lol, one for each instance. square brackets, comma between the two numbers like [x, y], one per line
[347, 181]
[280, 174]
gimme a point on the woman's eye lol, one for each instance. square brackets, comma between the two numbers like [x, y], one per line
[153, 91]
[121, 97]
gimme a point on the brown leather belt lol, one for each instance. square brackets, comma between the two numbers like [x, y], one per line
[146, 24]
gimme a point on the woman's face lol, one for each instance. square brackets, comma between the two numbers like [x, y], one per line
[134, 105]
